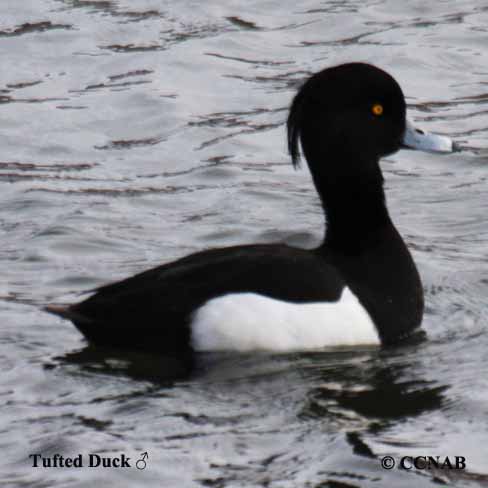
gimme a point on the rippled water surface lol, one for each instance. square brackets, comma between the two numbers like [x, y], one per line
[136, 131]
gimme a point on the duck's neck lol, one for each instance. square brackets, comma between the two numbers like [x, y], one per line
[354, 206]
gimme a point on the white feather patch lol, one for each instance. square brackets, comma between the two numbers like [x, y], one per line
[249, 322]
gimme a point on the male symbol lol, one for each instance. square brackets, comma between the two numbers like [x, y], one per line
[141, 463]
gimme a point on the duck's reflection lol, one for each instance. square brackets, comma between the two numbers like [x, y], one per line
[162, 370]
[377, 386]
[362, 388]
[376, 393]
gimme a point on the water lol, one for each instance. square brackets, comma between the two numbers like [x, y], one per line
[136, 131]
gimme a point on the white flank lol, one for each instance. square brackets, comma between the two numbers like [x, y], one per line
[250, 322]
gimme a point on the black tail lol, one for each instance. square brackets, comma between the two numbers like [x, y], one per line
[66, 312]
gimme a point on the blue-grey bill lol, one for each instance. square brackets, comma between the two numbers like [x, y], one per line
[424, 141]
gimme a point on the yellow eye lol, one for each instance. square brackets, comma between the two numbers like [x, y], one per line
[377, 109]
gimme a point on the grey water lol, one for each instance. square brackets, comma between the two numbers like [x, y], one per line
[134, 132]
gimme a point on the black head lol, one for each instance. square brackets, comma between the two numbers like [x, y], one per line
[348, 117]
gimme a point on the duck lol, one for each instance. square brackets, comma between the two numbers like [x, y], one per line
[359, 287]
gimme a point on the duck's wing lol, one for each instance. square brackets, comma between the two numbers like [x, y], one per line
[152, 310]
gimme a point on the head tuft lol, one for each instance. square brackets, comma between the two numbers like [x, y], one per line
[333, 107]
[293, 125]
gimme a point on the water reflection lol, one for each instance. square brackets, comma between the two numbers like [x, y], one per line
[362, 396]
[366, 389]
[374, 392]
[161, 370]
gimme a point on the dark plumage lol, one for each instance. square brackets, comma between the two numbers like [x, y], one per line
[336, 118]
